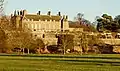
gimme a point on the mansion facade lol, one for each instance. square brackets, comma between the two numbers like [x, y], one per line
[39, 22]
[41, 25]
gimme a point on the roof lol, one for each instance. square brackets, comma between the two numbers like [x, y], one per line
[86, 27]
[43, 17]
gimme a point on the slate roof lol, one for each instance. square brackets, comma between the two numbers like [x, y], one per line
[43, 17]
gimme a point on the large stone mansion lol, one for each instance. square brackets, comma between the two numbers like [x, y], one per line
[39, 22]
[48, 26]
[41, 25]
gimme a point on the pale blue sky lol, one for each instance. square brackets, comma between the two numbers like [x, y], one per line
[91, 8]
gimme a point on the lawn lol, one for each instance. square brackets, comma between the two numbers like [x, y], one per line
[106, 62]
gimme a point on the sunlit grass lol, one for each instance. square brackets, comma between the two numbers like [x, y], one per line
[51, 62]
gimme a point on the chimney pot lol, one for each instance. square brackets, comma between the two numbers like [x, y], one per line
[66, 17]
[21, 12]
[15, 13]
[49, 13]
[39, 12]
[18, 12]
[59, 13]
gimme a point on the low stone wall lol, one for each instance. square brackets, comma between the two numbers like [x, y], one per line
[111, 41]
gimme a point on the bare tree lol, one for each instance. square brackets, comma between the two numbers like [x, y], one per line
[19, 39]
[79, 17]
[2, 40]
[2, 7]
[81, 40]
[66, 42]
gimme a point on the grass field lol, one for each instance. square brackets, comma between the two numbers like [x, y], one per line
[106, 62]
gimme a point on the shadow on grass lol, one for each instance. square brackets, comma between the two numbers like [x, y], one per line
[62, 56]
[92, 62]
[65, 59]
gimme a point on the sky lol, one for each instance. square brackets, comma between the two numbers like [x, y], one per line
[90, 8]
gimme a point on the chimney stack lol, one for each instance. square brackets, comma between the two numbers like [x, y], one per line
[66, 17]
[21, 12]
[24, 12]
[15, 13]
[59, 13]
[39, 12]
[49, 13]
[18, 12]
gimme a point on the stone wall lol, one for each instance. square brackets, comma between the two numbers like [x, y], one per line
[42, 25]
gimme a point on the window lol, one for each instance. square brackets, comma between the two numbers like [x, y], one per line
[43, 35]
[34, 29]
[35, 35]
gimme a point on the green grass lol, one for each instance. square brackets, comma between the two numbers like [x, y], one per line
[106, 62]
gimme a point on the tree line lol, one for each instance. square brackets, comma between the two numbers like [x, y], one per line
[17, 40]
[109, 24]
[105, 23]
[21, 40]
